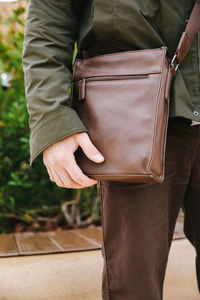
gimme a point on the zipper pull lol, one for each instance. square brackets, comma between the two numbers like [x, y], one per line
[81, 93]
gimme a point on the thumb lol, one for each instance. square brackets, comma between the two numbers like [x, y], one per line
[89, 149]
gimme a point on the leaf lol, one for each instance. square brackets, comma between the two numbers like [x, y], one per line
[28, 217]
[14, 176]
[2, 124]
[13, 183]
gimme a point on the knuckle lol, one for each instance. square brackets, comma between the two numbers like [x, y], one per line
[69, 185]
[67, 159]
[60, 157]
[59, 184]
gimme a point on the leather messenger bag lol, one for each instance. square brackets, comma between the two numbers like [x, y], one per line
[123, 100]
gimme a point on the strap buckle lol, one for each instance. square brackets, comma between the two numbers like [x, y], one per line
[173, 61]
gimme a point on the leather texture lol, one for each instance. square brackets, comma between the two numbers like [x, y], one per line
[123, 100]
[120, 99]
[189, 34]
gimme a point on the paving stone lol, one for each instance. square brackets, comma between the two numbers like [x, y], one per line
[34, 243]
[8, 245]
[68, 240]
[92, 233]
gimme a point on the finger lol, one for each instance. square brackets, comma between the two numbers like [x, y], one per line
[67, 179]
[77, 175]
[89, 149]
[58, 180]
[50, 174]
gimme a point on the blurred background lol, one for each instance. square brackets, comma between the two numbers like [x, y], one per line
[29, 201]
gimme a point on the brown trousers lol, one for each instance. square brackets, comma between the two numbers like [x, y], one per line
[138, 220]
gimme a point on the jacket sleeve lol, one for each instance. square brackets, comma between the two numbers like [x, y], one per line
[50, 34]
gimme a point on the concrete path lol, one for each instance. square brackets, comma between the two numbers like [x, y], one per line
[77, 275]
[180, 281]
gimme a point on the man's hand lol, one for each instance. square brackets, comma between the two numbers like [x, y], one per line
[61, 164]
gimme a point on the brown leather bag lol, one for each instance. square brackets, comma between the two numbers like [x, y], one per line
[123, 100]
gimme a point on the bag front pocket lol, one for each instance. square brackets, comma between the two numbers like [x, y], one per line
[82, 83]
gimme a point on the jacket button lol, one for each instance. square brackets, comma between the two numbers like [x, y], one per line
[196, 113]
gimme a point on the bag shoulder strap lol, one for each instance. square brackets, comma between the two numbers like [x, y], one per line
[188, 35]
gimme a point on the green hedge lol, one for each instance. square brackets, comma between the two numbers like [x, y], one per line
[26, 193]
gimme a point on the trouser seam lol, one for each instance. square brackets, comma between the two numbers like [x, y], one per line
[194, 150]
[105, 259]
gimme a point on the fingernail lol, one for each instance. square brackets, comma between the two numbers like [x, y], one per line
[99, 157]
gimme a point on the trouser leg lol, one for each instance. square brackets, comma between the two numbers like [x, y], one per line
[191, 205]
[138, 223]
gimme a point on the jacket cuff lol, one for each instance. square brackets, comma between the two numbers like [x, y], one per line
[57, 126]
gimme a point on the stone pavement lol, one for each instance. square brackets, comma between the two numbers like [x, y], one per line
[77, 275]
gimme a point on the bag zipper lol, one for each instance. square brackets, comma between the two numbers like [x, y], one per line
[82, 82]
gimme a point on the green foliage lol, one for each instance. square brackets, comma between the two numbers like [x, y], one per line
[26, 193]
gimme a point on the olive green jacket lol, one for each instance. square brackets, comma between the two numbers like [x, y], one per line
[53, 27]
